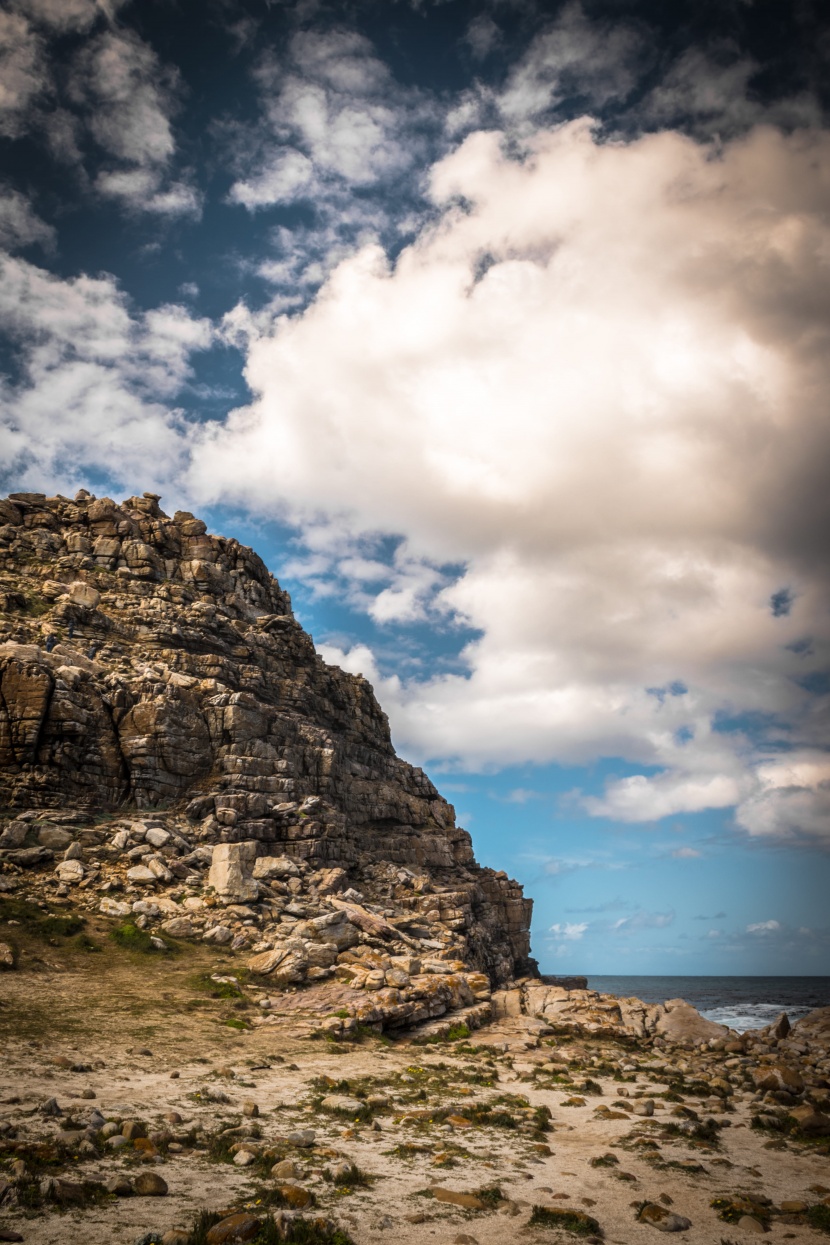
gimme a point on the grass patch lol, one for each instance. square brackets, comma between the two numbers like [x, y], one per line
[491, 1195]
[235, 1022]
[60, 926]
[202, 1224]
[130, 938]
[818, 1217]
[39, 922]
[574, 1221]
[204, 984]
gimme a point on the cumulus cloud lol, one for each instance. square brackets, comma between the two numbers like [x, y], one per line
[613, 420]
[109, 373]
[764, 927]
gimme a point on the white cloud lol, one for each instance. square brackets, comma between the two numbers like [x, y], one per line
[109, 372]
[764, 927]
[22, 71]
[569, 932]
[686, 853]
[482, 35]
[643, 920]
[593, 60]
[613, 423]
[20, 225]
[334, 118]
[287, 176]
[699, 91]
[128, 98]
[68, 15]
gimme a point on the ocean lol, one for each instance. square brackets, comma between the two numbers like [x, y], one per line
[740, 1002]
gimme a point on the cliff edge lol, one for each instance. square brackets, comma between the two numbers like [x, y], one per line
[154, 678]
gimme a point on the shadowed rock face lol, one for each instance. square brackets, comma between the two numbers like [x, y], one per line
[178, 677]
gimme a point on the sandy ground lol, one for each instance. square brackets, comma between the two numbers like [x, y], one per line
[132, 1022]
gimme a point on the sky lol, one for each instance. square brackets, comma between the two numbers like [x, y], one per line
[502, 331]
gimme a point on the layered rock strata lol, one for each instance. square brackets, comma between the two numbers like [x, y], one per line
[147, 665]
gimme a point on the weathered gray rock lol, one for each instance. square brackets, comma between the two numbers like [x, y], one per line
[180, 927]
[231, 872]
[140, 875]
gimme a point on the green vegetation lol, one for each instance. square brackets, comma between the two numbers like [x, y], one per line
[205, 984]
[40, 921]
[573, 1221]
[491, 1195]
[818, 1217]
[131, 938]
[731, 1209]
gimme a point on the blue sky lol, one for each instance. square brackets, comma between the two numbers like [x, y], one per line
[501, 331]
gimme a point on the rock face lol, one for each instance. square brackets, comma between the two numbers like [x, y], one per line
[149, 665]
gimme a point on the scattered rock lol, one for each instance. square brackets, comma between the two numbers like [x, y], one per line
[234, 1230]
[120, 1186]
[150, 1184]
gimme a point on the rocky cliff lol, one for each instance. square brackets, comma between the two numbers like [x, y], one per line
[147, 666]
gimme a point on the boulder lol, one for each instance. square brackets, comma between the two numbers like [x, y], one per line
[682, 1025]
[84, 595]
[776, 1077]
[811, 1121]
[231, 872]
[268, 867]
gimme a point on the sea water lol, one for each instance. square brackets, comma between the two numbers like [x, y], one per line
[740, 1002]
